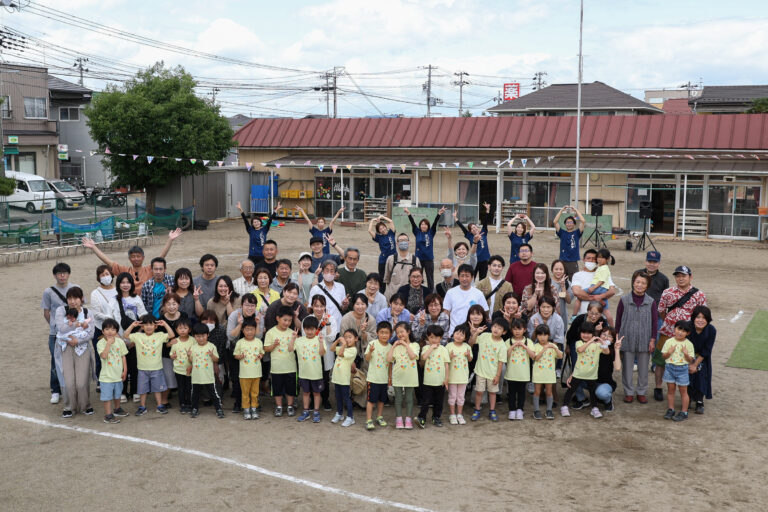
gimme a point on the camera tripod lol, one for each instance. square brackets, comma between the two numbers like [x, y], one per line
[596, 237]
[641, 242]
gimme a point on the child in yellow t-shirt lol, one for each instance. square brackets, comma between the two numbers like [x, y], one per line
[204, 359]
[179, 348]
[344, 346]
[249, 351]
[490, 358]
[679, 353]
[112, 351]
[402, 356]
[588, 348]
[310, 350]
[519, 354]
[545, 356]
[378, 375]
[149, 352]
[283, 361]
[460, 355]
[436, 361]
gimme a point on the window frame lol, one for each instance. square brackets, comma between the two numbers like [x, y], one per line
[45, 107]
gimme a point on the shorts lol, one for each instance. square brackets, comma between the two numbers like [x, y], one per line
[677, 374]
[377, 393]
[599, 290]
[111, 390]
[283, 384]
[168, 373]
[483, 384]
[314, 386]
[151, 381]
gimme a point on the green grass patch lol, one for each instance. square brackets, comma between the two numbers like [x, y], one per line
[752, 350]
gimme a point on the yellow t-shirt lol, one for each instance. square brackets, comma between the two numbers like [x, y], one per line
[587, 362]
[518, 362]
[404, 371]
[112, 365]
[272, 297]
[342, 368]
[434, 366]
[544, 368]
[202, 363]
[490, 354]
[677, 357]
[378, 367]
[180, 348]
[459, 373]
[250, 366]
[310, 362]
[149, 350]
[602, 274]
[283, 361]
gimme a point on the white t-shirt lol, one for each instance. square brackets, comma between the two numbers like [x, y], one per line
[458, 302]
[583, 279]
[337, 292]
[494, 284]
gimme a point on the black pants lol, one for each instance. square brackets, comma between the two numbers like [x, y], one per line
[234, 377]
[325, 394]
[591, 387]
[382, 267]
[429, 269]
[431, 395]
[96, 336]
[516, 395]
[481, 270]
[132, 375]
[184, 383]
[213, 394]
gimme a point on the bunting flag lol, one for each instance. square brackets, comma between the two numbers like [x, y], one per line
[389, 168]
[349, 167]
[755, 157]
[278, 165]
[471, 164]
[511, 162]
[485, 162]
[308, 162]
[205, 162]
[334, 167]
[193, 160]
[177, 159]
[135, 156]
[415, 164]
[402, 167]
[457, 164]
[537, 160]
[523, 161]
[248, 165]
[443, 164]
[92, 152]
[376, 166]
[150, 158]
[690, 156]
[220, 163]
[320, 167]
[429, 166]
[107, 151]
[550, 158]
[497, 162]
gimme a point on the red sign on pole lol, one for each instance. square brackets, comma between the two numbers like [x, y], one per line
[511, 91]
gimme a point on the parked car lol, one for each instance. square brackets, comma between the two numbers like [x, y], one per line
[67, 196]
[32, 192]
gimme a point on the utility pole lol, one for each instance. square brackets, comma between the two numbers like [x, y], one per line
[690, 87]
[214, 91]
[538, 80]
[427, 87]
[327, 87]
[461, 83]
[79, 65]
[337, 70]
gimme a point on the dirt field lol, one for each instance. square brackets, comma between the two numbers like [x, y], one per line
[630, 460]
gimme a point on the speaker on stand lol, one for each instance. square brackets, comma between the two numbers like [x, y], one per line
[596, 237]
[646, 212]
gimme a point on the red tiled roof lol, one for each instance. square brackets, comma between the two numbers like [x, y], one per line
[677, 106]
[702, 132]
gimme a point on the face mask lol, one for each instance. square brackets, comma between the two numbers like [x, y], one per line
[210, 327]
[328, 277]
[446, 272]
[590, 265]
[403, 246]
[106, 280]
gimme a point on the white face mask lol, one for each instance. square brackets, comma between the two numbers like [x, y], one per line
[590, 265]
[328, 277]
[446, 272]
[210, 327]
[106, 280]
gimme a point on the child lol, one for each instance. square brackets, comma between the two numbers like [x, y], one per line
[678, 353]
[204, 359]
[112, 351]
[310, 350]
[320, 229]
[589, 348]
[402, 356]
[249, 350]
[76, 319]
[519, 354]
[283, 366]
[436, 361]
[545, 356]
[378, 375]
[149, 346]
[344, 346]
[491, 355]
[179, 349]
[458, 377]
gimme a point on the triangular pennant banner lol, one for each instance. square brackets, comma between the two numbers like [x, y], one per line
[550, 158]
[308, 162]
[537, 160]
[92, 152]
[220, 163]
[205, 162]
[107, 151]
[523, 161]
[415, 164]
[320, 167]
[121, 154]
[349, 167]
[471, 164]
[135, 156]
[457, 164]
[376, 166]
[497, 162]
[484, 162]
[511, 162]
[429, 166]
[177, 159]
[278, 165]
[78, 151]
[389, 167]
[334, 167]
[402, 167]
[442, 164]
[150, 158]
[248, 165]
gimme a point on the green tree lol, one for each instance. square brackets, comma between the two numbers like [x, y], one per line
[157, 114]
[759, 106]
[7, 185]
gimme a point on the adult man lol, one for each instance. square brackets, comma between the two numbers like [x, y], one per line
[319, 257]
[569, 239]
[414, 292]
[336, 298]
[659, 282]
[269, 251]
[137, 269]
[207, 280]
[283, 276]
[458, 300]
[153, 291]
[676, 304]
[350, 276]
[53, 298]
[290, 298]
[494, 286]
[449, 281]
[398, 266]
[520, 273]
[581, 281]
[246, 283]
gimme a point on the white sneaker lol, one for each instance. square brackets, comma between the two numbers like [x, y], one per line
[136, 398]
[519, 414]
[336, 418]
[564, 412]
[596, 413]
[452, 419]
[512, 415]
[123, 399]
[349, 421]
[530, 388]
[558, 373]
[55, 397]
[460, 419]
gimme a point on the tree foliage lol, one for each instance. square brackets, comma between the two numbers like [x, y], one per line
[7, 186]
[158, 114]
[759, 106]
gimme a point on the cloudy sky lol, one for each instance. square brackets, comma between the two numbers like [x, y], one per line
[278, 51]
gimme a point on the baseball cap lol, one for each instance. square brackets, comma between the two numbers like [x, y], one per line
[316, 240]
[305, 255]
[653, 256]
[682, 269]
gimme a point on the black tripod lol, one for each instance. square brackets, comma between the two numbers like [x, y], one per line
[644, 238]
[596, 237]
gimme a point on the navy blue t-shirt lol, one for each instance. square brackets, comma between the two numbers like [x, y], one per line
[515, 241]
[386, 245]
[424, 241]
[321, 233]
[569, 244]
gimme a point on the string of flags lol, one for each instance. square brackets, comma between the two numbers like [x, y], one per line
[403, 167]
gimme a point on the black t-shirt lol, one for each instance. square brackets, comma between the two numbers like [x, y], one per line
[605, 368]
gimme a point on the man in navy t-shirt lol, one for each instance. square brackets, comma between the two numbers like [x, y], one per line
[569, 238]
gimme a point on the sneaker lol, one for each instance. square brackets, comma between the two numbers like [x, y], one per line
[493, 416]
[609, 406]
[327, 406]
[120, 412]
[596, 413]
[254, 414]
[162, 409]
[247, 414]
[564, 412]
[399, 423]
[641, 399]
[699, 408]
[89, 411]
[316, 417]
[512, 415]
[437, 422]
[220, 413]
[519, 414]
[628, 399]
[408, 423]
[168, 406]
[578, 405]
[136, 399]
[669, 414]
[348, 422]
[194, 413]
[110, 418]
[66, 414]
[530, 388]
[237, 409]
[183, 409]
[681, 416]
[549, 414]
[452, 419]
[123, 399]
[55, 398]
[304, 416]
[291, 410]
[460, 419]
[475, 415]
[98, 389]
[537, 415]
[278, 412]
[658, 395]
[421, 422]
[336, 418]
[141, 411]
[369, 425]
[381, 422]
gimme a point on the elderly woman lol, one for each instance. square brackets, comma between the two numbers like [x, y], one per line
[74, 357]
[376, 300]
[360, 321]
[703, 338]
[432, 315]
[636, 322]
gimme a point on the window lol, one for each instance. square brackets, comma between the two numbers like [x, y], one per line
[25, 162]
[21, 185]
[35, 108]
[6, 107]
[69, 114]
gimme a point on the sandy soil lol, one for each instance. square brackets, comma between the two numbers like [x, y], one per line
[630, 460]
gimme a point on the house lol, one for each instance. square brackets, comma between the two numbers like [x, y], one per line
[597, 99]
[727, 99]
[677, 106]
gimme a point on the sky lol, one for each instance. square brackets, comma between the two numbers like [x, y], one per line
[277, 52]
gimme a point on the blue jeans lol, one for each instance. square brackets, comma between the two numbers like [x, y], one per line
[55, 387]
[598, 291]
[604, 393]
[343, 398]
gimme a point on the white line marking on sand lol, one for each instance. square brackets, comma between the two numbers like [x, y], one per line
[224, 460]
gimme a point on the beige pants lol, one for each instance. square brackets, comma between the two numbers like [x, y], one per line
[77, 376]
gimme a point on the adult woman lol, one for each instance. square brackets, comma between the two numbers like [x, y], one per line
[424, 235]
[461, 253]
[546, 315]
[264, 294]
[225, 299]
[171, 314]
[510, 308]
[101, 306]
[127, 308]
[518, 235]
[189, 300]
[562, 284]
[636, 322]
[330, 332]
[433, 314]
[594, 315]
[540, 287]
[257, 232]
[304, 277]
[703, 338]
[75, 357]
[414, 292]
[376, 300]
[477, 320]
[248, 303]
[360, 321]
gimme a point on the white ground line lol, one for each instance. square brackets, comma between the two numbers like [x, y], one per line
[224, 460]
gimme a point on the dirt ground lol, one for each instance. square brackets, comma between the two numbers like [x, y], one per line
[630, 460]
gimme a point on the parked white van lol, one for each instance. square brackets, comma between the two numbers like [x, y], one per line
[32, 192]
